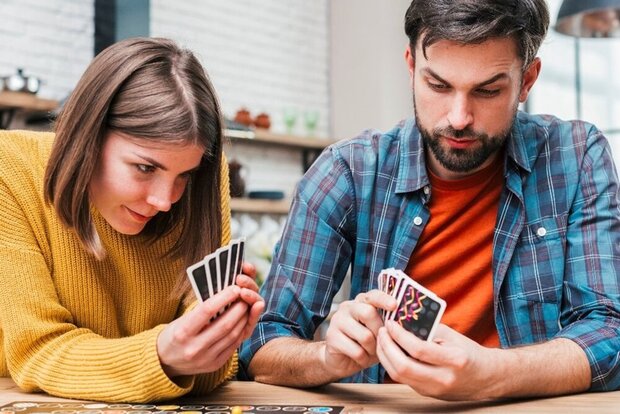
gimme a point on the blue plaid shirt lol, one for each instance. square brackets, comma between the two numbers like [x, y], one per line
[555, 249]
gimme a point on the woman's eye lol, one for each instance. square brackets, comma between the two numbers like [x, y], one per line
[185, 176]
[145, 168]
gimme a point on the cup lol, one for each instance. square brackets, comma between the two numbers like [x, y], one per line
[290, 119]
[311, 120]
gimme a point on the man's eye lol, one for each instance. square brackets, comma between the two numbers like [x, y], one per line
[488, 92]
[438, 86]
[145, 168]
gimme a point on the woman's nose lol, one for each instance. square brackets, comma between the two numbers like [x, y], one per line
[161, 197]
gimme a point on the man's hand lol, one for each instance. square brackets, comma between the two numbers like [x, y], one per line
[351, 340]
[451, 367]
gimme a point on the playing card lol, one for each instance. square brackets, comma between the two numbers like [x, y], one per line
[212, 276]
[217, 270]
[419, 310]
[222, 265]
[198, 279]
[381, 285]
[233, 256]
[393, 285]
[240, 257]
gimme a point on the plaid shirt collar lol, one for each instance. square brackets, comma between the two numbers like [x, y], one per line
[412, 175]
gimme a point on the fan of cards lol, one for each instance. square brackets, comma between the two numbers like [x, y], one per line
[217, 270]
[419, 310]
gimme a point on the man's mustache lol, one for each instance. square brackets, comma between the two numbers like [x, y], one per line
[458, 133]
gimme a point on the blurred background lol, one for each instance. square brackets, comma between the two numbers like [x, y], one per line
[292, 76]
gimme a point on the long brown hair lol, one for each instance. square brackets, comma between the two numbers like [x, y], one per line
[151, 89]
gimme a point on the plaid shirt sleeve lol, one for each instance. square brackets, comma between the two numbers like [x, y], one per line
[312, 258]
[590, 313]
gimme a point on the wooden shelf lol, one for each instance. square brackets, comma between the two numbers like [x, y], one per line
[310, 147]
[26, 102]
[268, 137]
[250, 205]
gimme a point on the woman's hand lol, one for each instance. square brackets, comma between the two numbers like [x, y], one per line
[200, 341]
[249, 294]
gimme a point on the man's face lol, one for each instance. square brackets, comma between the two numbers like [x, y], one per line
[466, 98]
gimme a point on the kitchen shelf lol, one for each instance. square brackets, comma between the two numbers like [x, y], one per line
[251, 205]
[268, 137]
[310, 147]
[26, 102]
[22, 101]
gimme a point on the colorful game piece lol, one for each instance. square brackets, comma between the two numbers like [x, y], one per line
[70, 407]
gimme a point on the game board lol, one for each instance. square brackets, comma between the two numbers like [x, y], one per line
[70, 407]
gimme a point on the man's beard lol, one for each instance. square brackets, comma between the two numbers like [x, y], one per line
[463, 160]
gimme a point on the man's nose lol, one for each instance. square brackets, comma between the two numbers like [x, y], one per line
[460, 115]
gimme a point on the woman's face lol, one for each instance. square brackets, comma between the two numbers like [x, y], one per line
[137, 178]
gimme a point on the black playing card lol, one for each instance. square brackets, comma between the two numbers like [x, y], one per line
[212, 276]
[198, 279]
[240, 257]
[217, 270]
[232, 263]
[222, 265]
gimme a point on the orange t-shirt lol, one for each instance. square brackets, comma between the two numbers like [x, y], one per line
[453, 255]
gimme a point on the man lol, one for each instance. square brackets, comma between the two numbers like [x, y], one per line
[512, 218]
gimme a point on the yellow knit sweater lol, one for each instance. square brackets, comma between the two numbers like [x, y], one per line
[73, 326]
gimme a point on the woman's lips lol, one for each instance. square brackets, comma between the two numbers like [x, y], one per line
[137, 216]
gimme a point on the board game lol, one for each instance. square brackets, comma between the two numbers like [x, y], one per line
[69, 407]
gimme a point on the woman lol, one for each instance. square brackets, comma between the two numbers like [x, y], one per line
[97, 225]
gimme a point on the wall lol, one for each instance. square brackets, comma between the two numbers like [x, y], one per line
[266, 56]
[51, 39]
[369, 79]
[555, 93]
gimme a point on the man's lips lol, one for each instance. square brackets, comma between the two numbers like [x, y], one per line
[460, 143]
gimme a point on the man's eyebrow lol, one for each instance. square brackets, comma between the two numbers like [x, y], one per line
[484, 83]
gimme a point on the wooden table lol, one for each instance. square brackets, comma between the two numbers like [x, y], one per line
[367, 398]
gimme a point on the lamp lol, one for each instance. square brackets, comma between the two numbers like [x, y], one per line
[587, 18]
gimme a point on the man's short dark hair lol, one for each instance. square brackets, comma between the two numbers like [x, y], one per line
[475, 21]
